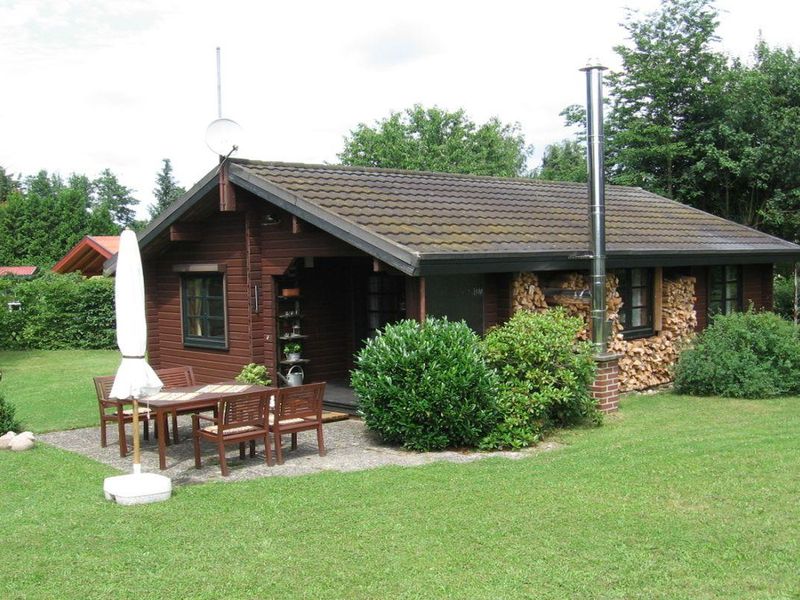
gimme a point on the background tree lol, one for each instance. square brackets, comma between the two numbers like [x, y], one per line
[433, 139]
[114, 198]
[668, 72]
[8, 183]
[563, 161]
[43, 217]
[166, 190]
[685, 121]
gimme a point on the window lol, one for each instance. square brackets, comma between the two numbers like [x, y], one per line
[204, 318]
[724, 289]
[636, 291]
[457, 297]
[385, 301]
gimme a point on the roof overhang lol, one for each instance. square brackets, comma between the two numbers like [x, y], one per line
[391, 253]
[171, 214]
[507, 262]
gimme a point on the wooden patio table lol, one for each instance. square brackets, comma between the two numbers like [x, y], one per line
[196, 397]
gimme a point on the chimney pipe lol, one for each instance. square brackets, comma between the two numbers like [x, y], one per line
[597, 203]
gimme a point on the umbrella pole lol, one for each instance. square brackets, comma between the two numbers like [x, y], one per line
[137, 467]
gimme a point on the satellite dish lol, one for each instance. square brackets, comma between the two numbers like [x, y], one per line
[223, 136]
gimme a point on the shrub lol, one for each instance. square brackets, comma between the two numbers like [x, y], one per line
[426, 386]
[742, 355]
[58, 312]
[8, 421]
[545, 376]
[783, 296]
[253, 373]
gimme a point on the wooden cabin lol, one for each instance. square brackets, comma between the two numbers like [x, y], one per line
[260, 255]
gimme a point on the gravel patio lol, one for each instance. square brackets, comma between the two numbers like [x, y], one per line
[350, 446]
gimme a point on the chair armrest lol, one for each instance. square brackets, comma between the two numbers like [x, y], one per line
[205, 418]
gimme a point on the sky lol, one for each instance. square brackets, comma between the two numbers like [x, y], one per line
[92, 84]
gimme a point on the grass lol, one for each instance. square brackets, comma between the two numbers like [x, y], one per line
[53, 389]
[675, 498]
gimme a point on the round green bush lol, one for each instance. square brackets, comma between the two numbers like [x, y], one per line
[742, 355]
[545, 376]
[426, 386]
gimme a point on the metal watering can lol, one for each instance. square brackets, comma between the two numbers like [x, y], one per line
[294, 376]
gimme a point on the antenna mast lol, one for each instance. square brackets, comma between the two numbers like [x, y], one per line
[219, 86]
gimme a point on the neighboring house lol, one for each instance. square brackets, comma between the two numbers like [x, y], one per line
[266, 254]
[18, 271]
[88, 255]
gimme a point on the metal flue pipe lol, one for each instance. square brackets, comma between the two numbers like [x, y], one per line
[597, 202]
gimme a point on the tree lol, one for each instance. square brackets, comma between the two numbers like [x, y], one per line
[433, 139]
[112, 197]
[667, 74]
[8, 183]
[563, 161]
[44, 217]
[166, 190]
[686, 122]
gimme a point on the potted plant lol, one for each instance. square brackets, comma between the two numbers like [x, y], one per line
[292, 351]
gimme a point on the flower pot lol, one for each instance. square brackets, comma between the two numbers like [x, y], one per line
[290, 292]
[292, 356]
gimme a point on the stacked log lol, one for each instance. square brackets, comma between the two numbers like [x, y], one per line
[645, 362]
[526, 293]
[648, 362]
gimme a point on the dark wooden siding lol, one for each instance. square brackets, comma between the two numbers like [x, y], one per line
[223, 243]
[757, 286]
[701, 296]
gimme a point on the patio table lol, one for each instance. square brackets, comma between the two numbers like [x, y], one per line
[196, 397]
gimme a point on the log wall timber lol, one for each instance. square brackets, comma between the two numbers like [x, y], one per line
[223, 243]
[645, 362]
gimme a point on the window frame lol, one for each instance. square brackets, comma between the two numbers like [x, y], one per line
[724, 298]
[632, 333]
[206, 342]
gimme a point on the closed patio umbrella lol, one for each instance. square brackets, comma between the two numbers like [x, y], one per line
[135, 378]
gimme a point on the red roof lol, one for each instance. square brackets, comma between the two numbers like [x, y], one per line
[17, 270]
[88, 255]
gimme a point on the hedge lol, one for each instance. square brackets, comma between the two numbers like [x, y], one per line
[57, 312]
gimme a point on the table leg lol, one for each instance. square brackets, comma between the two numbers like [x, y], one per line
[161, 415]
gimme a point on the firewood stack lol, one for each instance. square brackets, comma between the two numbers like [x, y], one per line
[527, 294]
[647, 362]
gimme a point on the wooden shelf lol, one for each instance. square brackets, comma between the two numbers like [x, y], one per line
[288, 337]
[302, 361]
[290, 316]
[287, 298]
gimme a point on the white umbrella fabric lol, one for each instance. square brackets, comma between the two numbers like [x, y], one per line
[135, 378]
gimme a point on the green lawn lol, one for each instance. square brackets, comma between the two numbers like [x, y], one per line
[54, 389]
[674, 498]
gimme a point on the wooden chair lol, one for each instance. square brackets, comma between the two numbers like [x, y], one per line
[241, 418]
[121, 415]
[176, 377]
[297, 409]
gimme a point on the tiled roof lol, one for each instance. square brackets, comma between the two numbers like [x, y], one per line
[109, 242]
[21, 271]
[432, 213]
[88, 255]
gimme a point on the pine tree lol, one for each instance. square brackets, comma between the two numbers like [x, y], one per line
[166, 191]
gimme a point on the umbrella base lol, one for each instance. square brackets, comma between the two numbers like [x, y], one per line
[138, 488]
